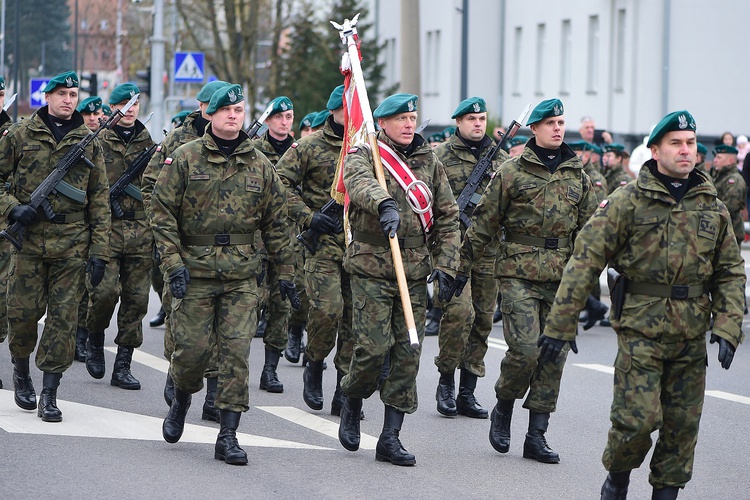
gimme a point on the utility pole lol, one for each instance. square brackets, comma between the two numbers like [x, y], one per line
[157, 69]
[410, 60]
[118, 45]
[464, 49]
[2, 40]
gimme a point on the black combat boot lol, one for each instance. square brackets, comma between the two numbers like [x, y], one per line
[261, 331]
[338, 396]
[668, 493]
[312, 378]
[95, 355]
[535, 446]
[435, 315]
[349, 423]
[23, 386]
[389, 447]
[596, 311]
[158, 320]
[169, 390]
[269, 381]
[227, 447]
[294, 343]
[446, 395]
[82, 336]
[121, 376]
[500, 425]
[174, 423]
[48, 410]
[210, 412]
[466, 402]
[615, 487]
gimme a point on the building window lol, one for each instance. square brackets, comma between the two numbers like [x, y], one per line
[540, 49]
[592, 79]
[620, 51]
[517, 39]
[566, 54]
[390, 61]
[432, 69]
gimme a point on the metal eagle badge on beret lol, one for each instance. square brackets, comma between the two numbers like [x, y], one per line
[69, 82]
[410, 105]
[92, 107]
[283, 105]
[232, 96]
[557, 110]
[477, 107]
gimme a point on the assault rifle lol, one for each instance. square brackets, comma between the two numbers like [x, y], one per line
[469, 198]
[253, 129]
[309, 237]
[124, 183]
[14, 232]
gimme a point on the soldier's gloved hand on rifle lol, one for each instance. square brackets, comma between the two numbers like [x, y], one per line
[389, 218]
[458, 285]
[726, 351]
[178, 282]
[445, 285]
[24, 214]
[324, 224]
[95, 268]
[550, 348]
[288, 290]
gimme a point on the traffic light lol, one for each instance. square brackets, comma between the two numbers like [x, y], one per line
[92, 86]
[144, 74]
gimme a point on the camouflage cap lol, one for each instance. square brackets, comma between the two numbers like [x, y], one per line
[546, 109]
[470, 105]
[205, 93]
[69, 79]
[106, 109]
[320, 118]
[448, 132]
[281, 104]
[90, 105]
[307, 120]
[2, 83]
[614, 147]
[225, 96]
[675, 121]
[702, 150]
[724, 149]
[123, 92]
[396, 104]
[179, 118]
[336, 100]
[522, 139]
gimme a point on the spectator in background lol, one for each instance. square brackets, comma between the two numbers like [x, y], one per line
[588, 132]
[743, 147]
[727, 139]
[640, 155]
[498, 132]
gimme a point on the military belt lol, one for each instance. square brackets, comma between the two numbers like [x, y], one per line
[219, 240]
[68, 218]
[382, 241]
[680, 292]
[133, 215]
[534, 241]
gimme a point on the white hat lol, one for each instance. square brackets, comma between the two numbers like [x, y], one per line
[742, 140]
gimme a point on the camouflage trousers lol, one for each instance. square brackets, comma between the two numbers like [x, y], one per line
[127, 279]
[379, 329]
[525, 305]
[215, 315]
[5, 258]
[657, 386]
[37, 285]
[330, 318]
[467, 322]
[299, 317]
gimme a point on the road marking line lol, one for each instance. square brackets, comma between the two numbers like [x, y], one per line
[144, 358]
[729, 396]
[316, 423]
[596, 367]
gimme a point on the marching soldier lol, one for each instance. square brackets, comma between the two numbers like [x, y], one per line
[540, 200]
[47, 273]
[516, 145]
[670, 240]
[210, 198]
[376, 214]
[5, 248]
[467, 320]
[730, 186]
[613, 168]
[127, 277]
[305, 125]
[91, 110]
[179, 119]
[700, 162]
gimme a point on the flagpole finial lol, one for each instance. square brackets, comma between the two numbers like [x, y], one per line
[348, 28]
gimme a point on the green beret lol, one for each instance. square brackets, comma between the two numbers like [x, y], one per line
[545, 109]
[448, 132]
[580, 146]
[336, 100]
[724, 149]
[522, 139]
[470, 105]
[123, 92]
[320, 118]
[438, 137]
[225, 96]
[205, 93]
[2, 83]
[106, 109]
[595, 149]
[396, 104]
[614, 148]
[702, 149]
[90, 104]
[69, 79]
[675, 121]
[281, 104]
[307, 120]
[179, 118]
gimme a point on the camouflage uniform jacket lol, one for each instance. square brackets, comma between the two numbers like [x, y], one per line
[28, 154]
[649, 238]
[616, 177]
[307, 170]
[524, 198]
[597, 180]
[5, 121]
[731, 190]
[264, 146]
[128, 236]
[459, 162]
[200, 191]
[365, 193]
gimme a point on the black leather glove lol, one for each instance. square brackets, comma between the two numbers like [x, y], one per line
[178, 282]
[289, 290]
[261, 276]
[726, 351]
[389, 218]
[550, 348]
[95, 268]
[445, 285]
[324, 224]
[458, 285]
[25, 214]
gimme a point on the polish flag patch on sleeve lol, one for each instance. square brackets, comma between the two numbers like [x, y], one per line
[603, 203]
[353, 149]
[158, 148]
[168, 161]
[731, 181]
[294, 145]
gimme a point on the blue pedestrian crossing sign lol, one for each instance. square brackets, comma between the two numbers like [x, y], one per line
[36, 96]
[188, 67]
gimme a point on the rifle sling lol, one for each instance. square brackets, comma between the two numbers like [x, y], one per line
[131, 215]
[68, 218]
